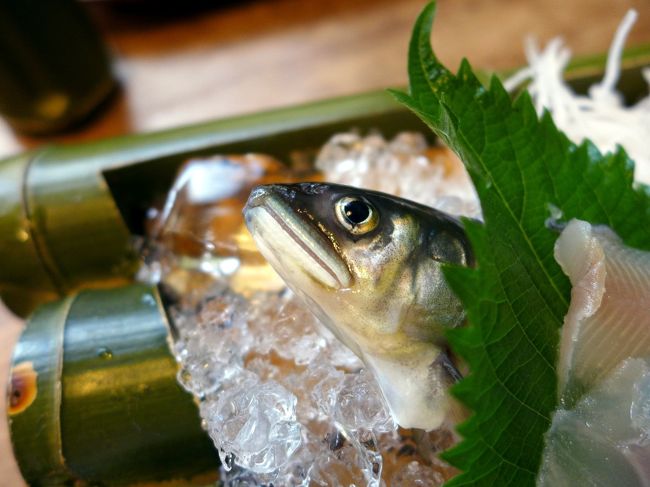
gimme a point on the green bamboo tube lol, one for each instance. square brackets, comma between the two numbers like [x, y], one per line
[25, 280]
[34, 229]
[94, 397]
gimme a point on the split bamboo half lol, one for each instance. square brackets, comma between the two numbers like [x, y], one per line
[94, 399]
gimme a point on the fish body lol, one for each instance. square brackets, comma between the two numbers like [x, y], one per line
[369, 266]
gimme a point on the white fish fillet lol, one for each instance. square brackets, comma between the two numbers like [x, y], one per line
[609, 316]
[600, 434]
[603, 441]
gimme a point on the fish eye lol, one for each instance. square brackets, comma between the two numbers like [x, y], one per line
[356, 215]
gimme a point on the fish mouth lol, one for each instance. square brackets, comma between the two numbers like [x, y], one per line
[290, 241]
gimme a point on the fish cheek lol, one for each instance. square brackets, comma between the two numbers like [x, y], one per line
[364, 257]
[439, 306]
[447, 248]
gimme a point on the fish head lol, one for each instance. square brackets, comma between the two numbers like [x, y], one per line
[368, 265]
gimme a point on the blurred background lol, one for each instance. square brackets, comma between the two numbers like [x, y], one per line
[179, 63]
[184, 62]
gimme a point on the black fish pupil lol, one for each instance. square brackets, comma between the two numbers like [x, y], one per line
[356, 212]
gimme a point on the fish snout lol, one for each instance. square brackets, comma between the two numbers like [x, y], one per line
[261, 194]
[258, 197]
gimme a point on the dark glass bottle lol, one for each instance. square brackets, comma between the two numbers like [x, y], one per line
[54, 68]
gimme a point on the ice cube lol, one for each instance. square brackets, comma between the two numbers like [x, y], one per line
[360, 404]
[368, 458]
[345, 466]
[256, 422]
[325, 392]
[414, 474]
[204, 374]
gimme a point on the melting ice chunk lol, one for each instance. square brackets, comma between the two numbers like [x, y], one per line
[258, 427]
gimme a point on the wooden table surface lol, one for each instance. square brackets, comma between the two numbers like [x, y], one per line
[179, 67]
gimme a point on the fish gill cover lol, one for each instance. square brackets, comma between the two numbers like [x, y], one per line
[517, 296]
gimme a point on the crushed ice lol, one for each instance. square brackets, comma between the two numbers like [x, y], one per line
[405, 166]
[282, 402]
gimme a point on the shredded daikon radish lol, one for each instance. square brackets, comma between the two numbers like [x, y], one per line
[600, 116]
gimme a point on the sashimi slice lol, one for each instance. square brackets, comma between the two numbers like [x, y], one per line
[609, 316]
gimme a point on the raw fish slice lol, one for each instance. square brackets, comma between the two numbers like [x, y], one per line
[604, 440]
[609, 317]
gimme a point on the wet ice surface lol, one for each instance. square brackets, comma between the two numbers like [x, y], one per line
[284, 402]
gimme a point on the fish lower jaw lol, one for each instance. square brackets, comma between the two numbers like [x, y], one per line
[292, 254]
